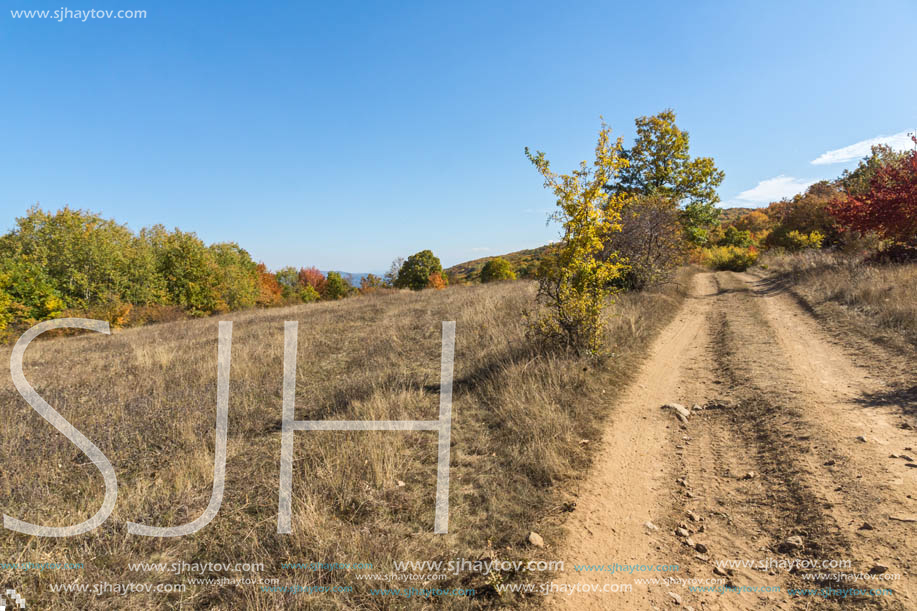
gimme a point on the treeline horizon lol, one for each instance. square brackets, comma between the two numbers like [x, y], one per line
[74, 262]
[657, 211]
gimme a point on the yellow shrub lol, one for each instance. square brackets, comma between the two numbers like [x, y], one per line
[731, 258]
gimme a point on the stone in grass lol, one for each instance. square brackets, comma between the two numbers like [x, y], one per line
[681, 532]
[535, 539]
[650, 526]
[700, 548]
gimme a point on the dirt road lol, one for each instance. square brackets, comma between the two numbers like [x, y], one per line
[802, 449]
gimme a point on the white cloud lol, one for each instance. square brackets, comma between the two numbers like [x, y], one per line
[480, 249]
[772, 190]
[900, 142]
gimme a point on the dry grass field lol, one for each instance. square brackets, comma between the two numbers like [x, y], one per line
[147, 399]
[879, 299]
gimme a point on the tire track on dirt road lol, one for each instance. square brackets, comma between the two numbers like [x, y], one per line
[775, 455]
[631, 476]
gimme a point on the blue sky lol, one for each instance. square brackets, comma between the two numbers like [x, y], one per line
[344, 134]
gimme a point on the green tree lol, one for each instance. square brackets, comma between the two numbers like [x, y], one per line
[856, 182]
[8, 313]
[237, 276]
[288, 278]
[736, 237]
[415, 273]
[575, 281]
[28, 293]
[497, 268]
[308, 294]
[188, 269]
[336, 287]
[87, 259]
[659, 164]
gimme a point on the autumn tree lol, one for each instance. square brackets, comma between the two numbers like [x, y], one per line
[856, 182]
[497, 269]
[575, 282]
[371, 283]
[270, 292]
[804, 213]
[659, 165]
[889, 206]
[310, 276]
[754, 221]
[415, 273]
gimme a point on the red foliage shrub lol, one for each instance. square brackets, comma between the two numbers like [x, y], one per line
[310, 276]
[889, 207]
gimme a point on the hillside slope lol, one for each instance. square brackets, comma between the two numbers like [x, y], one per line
[524, 263]
[146, 397]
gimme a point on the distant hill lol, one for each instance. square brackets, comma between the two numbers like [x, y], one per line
[524, 263]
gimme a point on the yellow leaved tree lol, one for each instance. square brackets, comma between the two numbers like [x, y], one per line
[576, 282]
